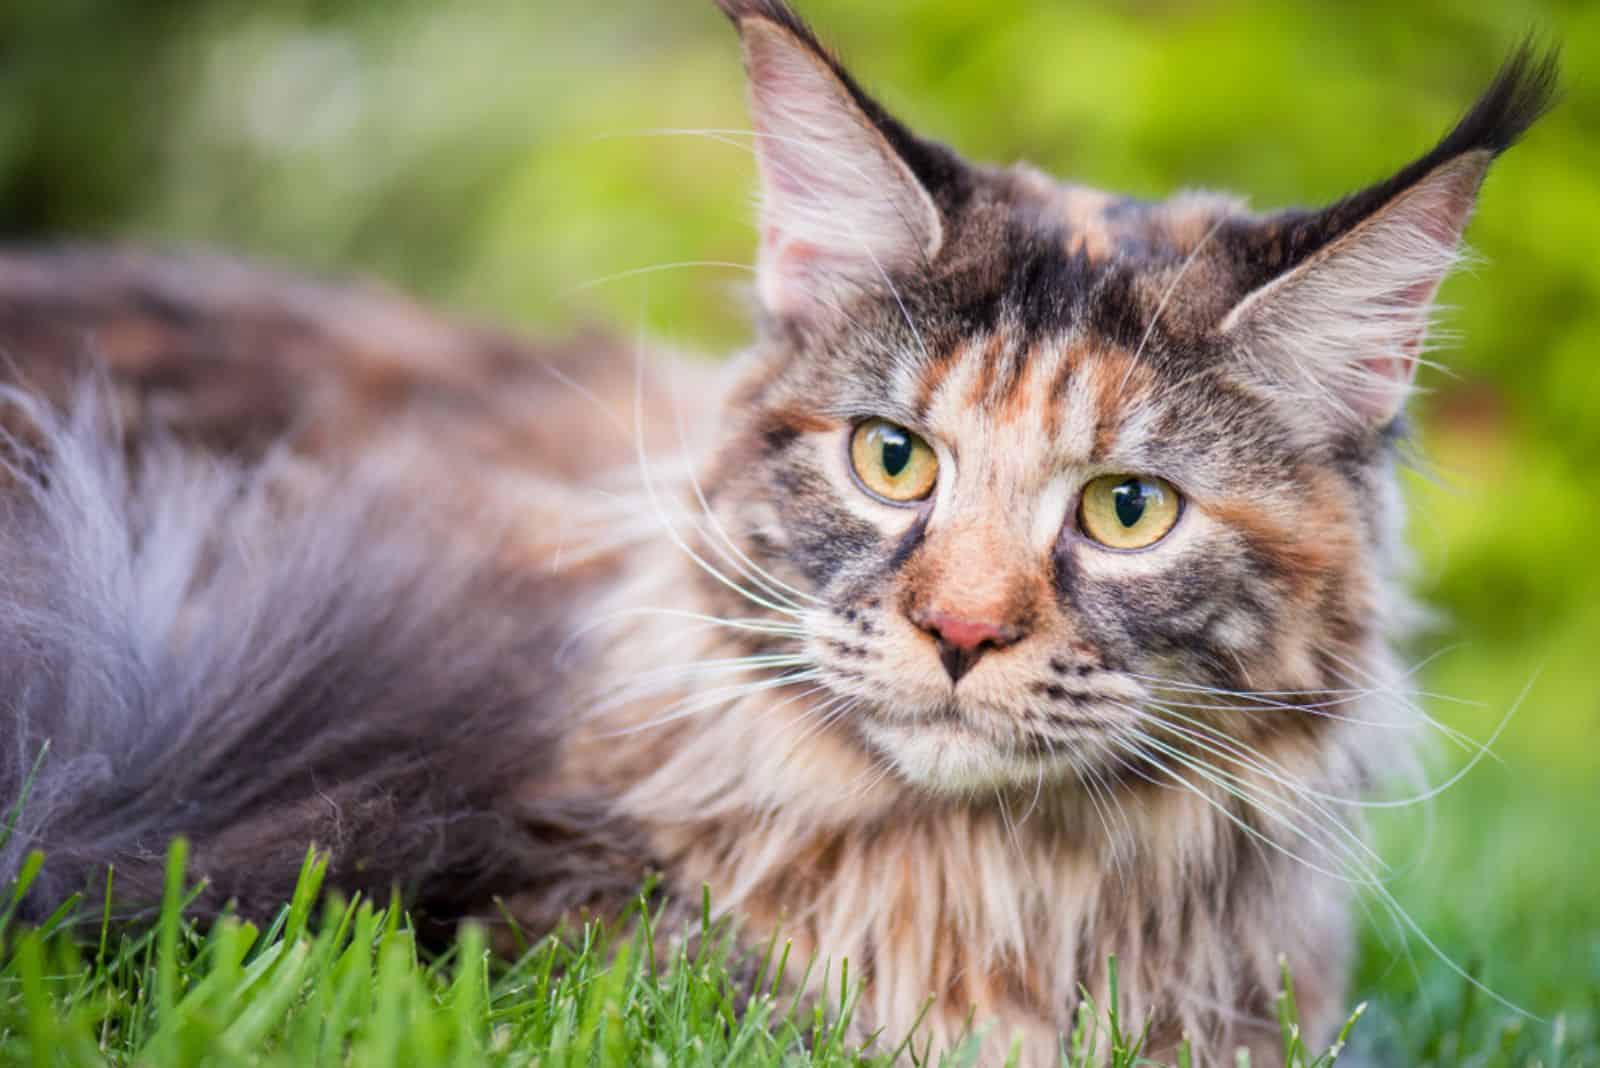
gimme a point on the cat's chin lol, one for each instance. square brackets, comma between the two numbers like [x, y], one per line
[948, 758]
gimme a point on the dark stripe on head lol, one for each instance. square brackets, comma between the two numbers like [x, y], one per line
[908, 544]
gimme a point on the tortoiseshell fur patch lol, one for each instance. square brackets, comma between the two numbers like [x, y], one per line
[1153, 763]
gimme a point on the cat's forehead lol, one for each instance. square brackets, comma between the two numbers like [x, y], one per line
[1070, 299]
[1067, 398]
[1085, 335]
[1029, 260]
[1020, 403]
[1105, 226]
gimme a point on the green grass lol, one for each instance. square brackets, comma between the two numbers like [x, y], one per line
[345, 983]
[330, 982]
[1505, 884]
[502, 156]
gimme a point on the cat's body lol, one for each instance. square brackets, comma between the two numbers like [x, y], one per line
[996, 906]
[949, 736]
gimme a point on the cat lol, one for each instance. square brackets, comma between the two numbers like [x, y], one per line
[1024, 595]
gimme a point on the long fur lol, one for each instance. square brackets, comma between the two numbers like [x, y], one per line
[259, 660]
[1166, 767]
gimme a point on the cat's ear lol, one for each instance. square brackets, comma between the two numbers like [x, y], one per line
[841, 208]
[1339, 322]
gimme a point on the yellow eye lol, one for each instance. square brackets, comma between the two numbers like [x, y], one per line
[892, 462]
[1128, 511]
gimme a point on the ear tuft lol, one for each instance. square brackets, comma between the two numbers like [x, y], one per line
[1521, 93]
[1340, 321]
[775, 11]
[1343, 332]
[842, 209]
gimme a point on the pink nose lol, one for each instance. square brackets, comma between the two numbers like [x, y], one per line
[964, 634]
[962, 641]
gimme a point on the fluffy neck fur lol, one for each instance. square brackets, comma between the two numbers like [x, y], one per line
[992, 910]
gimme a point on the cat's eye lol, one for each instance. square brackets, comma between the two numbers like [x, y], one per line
[893, 463]
[1128, 511]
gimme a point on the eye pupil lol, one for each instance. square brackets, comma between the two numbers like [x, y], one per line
[1127, 512]
[891, 462]
[1129, 500]
[896, 453]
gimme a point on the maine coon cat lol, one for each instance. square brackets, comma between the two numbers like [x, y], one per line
[1024, 594]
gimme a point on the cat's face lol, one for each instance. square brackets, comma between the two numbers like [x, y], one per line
[1040, 472]
[1018, 532]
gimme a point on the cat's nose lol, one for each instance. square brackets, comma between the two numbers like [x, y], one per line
[963, 641]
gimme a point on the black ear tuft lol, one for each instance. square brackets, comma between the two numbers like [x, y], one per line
[1338, 302]
[1522, 91]
[938, 168]
[771, 10]
[1520, 94]
[782, 15]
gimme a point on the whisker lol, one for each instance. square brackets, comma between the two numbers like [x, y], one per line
[1362, 875]
[1038, 786]
[1091, 785]
[671, 530]
[768, 582]
[1235, 791]
[1005, 818]
[639, 272]
[1460, 738]
[700, 702]
[1260, 699]
[1258, 762]
[824, 716]
[1161, 305]
[666, 677]
[1477, 757]
[700, 621]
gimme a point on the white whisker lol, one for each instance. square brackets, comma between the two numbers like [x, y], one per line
[705, 700]
[774, 586]
[1166, 296]
[640, 272]
[667, 525]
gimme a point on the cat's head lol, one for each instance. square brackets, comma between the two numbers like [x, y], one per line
[1036, 467]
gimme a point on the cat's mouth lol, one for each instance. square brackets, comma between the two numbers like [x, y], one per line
[951, 748]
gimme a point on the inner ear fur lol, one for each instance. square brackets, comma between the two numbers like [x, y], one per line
[1338, 315]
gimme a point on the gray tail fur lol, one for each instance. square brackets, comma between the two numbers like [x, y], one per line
[260, 660]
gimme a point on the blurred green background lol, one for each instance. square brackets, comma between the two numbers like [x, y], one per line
[511, 158]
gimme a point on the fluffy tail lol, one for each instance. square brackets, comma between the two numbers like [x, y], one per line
[262, 658]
